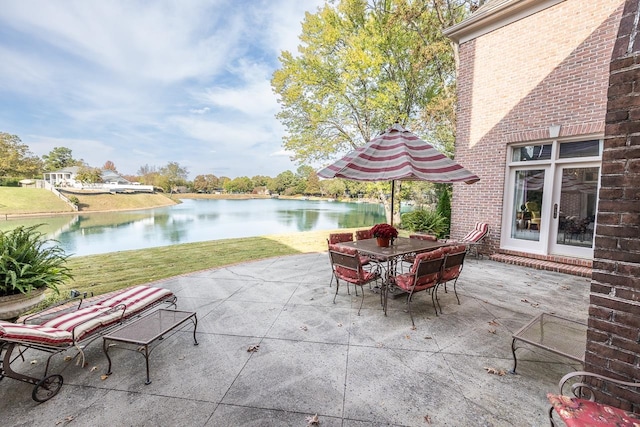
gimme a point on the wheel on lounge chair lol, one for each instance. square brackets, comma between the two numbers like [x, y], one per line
[46, 388]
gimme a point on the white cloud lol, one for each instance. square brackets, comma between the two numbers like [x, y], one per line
[139, 82]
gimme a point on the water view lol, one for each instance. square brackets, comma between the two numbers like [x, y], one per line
[196, 221]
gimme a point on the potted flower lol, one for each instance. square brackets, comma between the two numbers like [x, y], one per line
[29, 264]
[384, 233]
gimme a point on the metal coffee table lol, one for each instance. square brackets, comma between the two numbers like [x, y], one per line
[148, 329]
[555, 334]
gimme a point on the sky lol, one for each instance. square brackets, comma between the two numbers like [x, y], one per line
[149, 82]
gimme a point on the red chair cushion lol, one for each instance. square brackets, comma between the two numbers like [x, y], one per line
[585, 413]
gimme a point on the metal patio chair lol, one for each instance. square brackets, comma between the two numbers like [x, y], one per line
[424, 275]
[346, 265]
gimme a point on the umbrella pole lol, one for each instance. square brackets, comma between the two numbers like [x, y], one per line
[393, 188]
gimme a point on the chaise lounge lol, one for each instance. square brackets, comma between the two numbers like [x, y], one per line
[73, 326]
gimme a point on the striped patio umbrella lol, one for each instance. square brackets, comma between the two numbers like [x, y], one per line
[398, 154]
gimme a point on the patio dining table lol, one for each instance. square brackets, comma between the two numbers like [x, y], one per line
[399, 247]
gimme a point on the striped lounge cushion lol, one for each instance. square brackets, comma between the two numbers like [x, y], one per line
[36, 334]
[137, 298]
[86, 320]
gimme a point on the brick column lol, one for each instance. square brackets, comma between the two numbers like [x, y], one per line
[613, 339]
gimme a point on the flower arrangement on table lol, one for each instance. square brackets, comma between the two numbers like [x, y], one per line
[385, 231]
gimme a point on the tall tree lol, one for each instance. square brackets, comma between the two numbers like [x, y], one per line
[58, 158]
[89, 175]
[16, 159]
[363, 65]
[173, 174]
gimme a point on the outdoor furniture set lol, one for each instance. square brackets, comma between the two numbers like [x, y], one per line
[433, 263]
[128, 316]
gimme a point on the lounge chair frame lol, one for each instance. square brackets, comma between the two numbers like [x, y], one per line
[47, 386]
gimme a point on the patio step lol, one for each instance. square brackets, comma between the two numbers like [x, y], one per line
[573, 266]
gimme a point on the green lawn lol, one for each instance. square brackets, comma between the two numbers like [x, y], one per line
[17, 200]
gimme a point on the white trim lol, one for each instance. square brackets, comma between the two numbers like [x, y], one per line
[491, 19]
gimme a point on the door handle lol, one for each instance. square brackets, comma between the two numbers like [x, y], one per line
[555, 211]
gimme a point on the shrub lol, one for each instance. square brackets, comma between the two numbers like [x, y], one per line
[74, 200]
[425, 221]
[28, 261]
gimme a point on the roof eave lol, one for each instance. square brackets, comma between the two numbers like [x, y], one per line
[489, 18]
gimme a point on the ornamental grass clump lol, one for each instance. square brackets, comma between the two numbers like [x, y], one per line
[29, 261]
[385, 231]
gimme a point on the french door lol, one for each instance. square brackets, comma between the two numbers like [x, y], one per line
[551, 198]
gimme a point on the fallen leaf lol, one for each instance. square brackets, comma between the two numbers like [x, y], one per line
[524, 300]
[67, 358]
[181, 357]
[407, 337]
[253, 348]
[492, 331]
[303, 328]
[500, 372]
[66, 420]
[33, 362]
[565, 287]
[494, 323]
[313, 421]
[427, 419]
[413, 328]
[339, 325]
[104, 377]
[95, 368]
[428, 338]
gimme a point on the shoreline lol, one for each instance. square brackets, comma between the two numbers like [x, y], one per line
[12, 216]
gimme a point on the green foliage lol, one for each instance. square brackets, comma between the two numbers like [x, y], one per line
[16, 159]
[29, 261]
[89, 175]
[74, 200]
[10, 182]
[444, 204]
[363, 65]
[58, 158]
[425, 221]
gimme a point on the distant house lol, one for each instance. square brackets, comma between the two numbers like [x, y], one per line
[111, 180]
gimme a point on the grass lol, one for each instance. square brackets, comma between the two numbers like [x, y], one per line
[16, 200]
[117, 270]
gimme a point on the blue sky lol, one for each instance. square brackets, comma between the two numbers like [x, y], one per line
[148, 82]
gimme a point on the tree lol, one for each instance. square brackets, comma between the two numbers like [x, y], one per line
[173, 174]
[242, 184]
[89, 175]
[16, 159]
[362, 66]
[205, 183]
[58, 158]
[109, 165]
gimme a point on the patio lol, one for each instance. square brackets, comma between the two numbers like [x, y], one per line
[316, 357]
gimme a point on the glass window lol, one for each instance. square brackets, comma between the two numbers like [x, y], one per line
[579, 149]
[532, 152]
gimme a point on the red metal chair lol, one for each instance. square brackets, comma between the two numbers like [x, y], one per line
[410, 258]
[475, 237]
[578, 406]
[452, 266]
[424, 275]
[363, 234]
[346, 265]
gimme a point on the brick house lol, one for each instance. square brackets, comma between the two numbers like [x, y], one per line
[532, 94]
[549, 105]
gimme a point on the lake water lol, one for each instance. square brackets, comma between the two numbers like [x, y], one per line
[196, 221]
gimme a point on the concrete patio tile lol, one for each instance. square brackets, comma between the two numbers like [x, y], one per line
[401, 387]
[295, 376]
[231, 415]
[119, 408]
[240, 318]
[312, 324]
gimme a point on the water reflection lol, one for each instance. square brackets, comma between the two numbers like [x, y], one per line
[198, 220]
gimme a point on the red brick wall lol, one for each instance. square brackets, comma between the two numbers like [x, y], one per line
[613, 338]
[547, 69]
